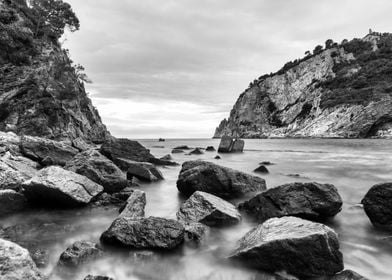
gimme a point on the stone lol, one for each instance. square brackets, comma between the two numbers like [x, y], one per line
[161, 140]
[348, 275]
[16, 263]
[9, 142]
[182, 147]
[144, 233]
[217, 157]
[261, 169]
[208, 209]
[210, 149]
[177, 151]
[196, 151]
[377, 205]
[92, 277]
[80, 144]
[57, 187]
[312, 201]
[143, 171]
[79, 253]
[302, 248]
[266, 163]
[166, 157]
[218, 180]
[229, 144]
[196, 232]
[134, 207]
[46, 151]
[11, 202]
[99, 169]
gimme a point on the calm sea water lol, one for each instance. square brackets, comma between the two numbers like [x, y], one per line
[353, 166]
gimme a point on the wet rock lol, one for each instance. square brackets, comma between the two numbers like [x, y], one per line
[161, 140]
[210, 149]
[80, 144]
[167, 157]
[261, 169]
[218, 180]
[91, 277]
[99, 169]
[16, 263]
[183, 147]
[144, 233]
[79, 253]
[266, 163]
[11, 202]
[229, 144]
[306, 200]
[299, 247]
[57, 187]
[196, 232]
[196, 151]
[208, 209]
[348, 275]
[40, 258]
[177, 151]
[377, 205]
[143, 171]
[134, 207]
[217, 157]
[45, 151]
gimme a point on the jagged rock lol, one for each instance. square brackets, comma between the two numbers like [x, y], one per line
[54, 186]
[348, 275]
[210, 149]
[208, 209]
[11, 202]
[47, 152]
[306, 200]
[79, 253]
[143, 171]
[230, 145]
[144, 233]
[261, 169]
[218, 180]
[99, 169]
[177, 151]
[299, 247]
[16, 263]
[377, 205]
[134, 207]
[91, 277]
[80, 144]
[196, 232]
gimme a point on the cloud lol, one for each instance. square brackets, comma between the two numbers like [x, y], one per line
[202, 53]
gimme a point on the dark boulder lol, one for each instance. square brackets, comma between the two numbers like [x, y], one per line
[11, 202]
[134, 207]
[143, 171]
[177, 151]
[166, 157]
[377, 205]
[208, 209]
[261, 169]
[144, 233]
[266, 163]
[182, 147]
[348, 275]
[229, 144]
[99, 169]
[210, 149]
[217, 157]
[79, 253]
[306, 200]
[218, 180]
[57, 187]
[196, 151]
[299, 247]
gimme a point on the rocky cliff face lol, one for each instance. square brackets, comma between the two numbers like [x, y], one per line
[343, 90]
[41, 93]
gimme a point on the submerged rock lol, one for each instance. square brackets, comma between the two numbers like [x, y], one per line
[229, 144]
[377, 205]
[196, 151]
[40, 257]
[79, 253]
[261, 169]
[306, 200]
[57, 187]
[177, 151]
[208, 209]
[99, 169]
[299, 247]
[143, 171]
[210, 149]
[16, 263]
[182, 147]
[218, 180]
[144, 233]
[266, 163]
[11, 202]
[217, 157]
[134, 207]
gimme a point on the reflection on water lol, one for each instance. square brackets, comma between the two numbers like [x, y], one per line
[353, 166]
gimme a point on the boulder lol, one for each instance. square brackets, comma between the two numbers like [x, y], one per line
[80, 144]
[134, 207]
[217, 157]
[177, 151]
[45, 151]
[16, 263]
[306, 200]
[182, 147]
[9, 142]
[55, 186]
[143, 171]
[377, 205]
[210, 149]
[166, 157]
[92, 277]
[229, 144]
[218, 180]
[347, 275]
[99, 169]
[196, 151]
[144, 233]
[261, 169]
[11, 202]
[79, 253]
[142, 256]
[299, 247]
[208, 209]
[196, 232]
[266, 163]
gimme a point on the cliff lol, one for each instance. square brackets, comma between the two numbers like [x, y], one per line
[41, 91]
[342, 90]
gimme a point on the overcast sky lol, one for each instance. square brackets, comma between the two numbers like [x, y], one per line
[174, 68]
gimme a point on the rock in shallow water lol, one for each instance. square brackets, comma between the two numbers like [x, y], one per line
[306, 200]
[56, 187]
[78, 254]
[196, 232]
[144, 233]
[261, 169]
[11, 202]
[229, 144]
[208, 209]
[299, 247]
[91, 277]
[143, 171]
[134, 207]
[348, 275]
[218, 180]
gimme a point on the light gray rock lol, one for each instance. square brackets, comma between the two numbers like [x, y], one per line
[134, 207]
[11, 202]
[78, 254]
[299, 247]
[208, 209]
[143, 171]
[55, 186]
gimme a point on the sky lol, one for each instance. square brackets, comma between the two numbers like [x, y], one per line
[175, 68]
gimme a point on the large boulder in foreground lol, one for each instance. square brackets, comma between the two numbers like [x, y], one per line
[300, 247]
[99, 169]
[144, 233]
[11, 202]
[306, 200]
[55, 186]
[215, 179]
[143, 171]
[134, 207]
[16, 263]
[79, 253]
[208, 209]
[377, 204]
